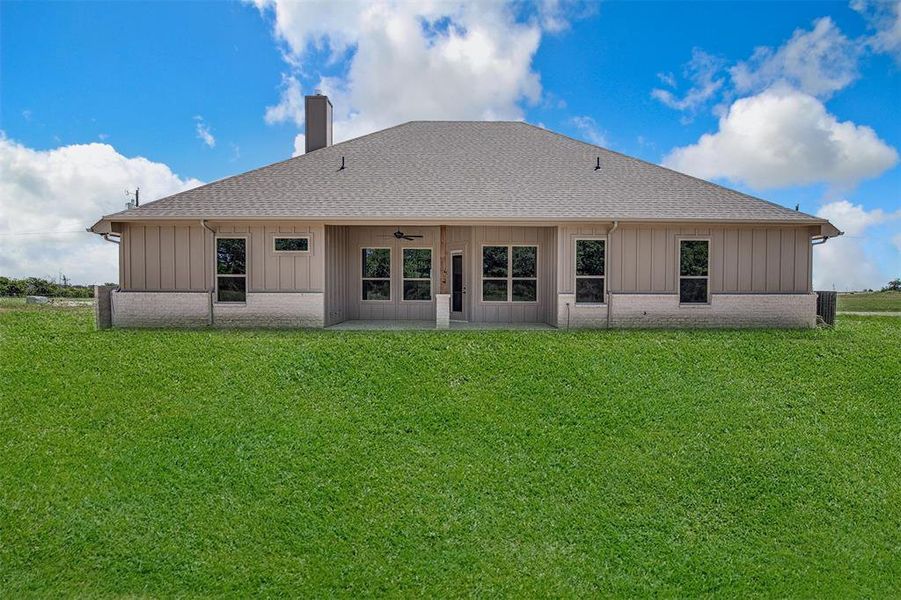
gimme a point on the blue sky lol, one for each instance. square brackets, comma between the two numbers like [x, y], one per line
[203, 90]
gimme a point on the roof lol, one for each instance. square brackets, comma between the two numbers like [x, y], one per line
[462, 170]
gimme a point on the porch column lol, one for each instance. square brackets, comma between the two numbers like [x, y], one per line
[442, 298]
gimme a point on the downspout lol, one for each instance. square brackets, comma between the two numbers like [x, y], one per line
[818, 240]
[210, 319]
[107, 238]
[609, 298]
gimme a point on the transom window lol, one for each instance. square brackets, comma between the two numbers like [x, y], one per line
[694, 271]
[417, 274]
[295, 243]
[590, 271]
[510, 273]
[376, 273]
[231, 269]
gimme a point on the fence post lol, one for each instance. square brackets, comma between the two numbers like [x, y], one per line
[826, 301]
[103, 315]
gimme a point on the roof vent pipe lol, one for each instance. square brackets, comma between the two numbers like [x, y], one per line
[318, 114]
[597, 165]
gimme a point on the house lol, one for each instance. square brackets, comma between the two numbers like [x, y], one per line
[483, 222]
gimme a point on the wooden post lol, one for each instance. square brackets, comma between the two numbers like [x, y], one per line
[442, 260]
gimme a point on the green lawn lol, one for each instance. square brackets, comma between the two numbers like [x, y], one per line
[161, 463]
[870, 301]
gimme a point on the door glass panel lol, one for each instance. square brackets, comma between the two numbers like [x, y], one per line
[457, 283]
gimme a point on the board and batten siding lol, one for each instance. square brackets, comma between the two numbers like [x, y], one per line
[175, 257]
[337, 273]
[394, 309]
[750, 259]
[542, 311]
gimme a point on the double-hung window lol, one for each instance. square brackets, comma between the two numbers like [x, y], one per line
[590, 271]
[376, 273]
[231, 269]
[694, 271]
[417, 271]
[509, 273]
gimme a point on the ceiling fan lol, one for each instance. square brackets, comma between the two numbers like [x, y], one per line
[405, 236]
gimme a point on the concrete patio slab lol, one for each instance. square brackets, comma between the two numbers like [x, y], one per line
[389, 325]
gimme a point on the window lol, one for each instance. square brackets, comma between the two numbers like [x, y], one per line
[694, 278]
[417, 274]
[590, 271]
[231, 269]
[291, 244]
[509, 273]
[376, 274]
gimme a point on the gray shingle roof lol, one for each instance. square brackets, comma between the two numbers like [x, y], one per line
[465, 170]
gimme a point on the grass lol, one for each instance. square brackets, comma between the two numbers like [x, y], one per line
[223, 463]
[870, 301]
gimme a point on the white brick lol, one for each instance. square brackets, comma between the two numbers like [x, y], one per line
[724, 310]
[192, 309]
[579, 316]
[273, 309]
[442, 311]
[160, 309]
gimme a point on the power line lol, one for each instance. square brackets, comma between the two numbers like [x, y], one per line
[42, 232]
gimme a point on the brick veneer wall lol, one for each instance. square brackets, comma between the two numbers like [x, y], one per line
[192, 309]
[160, 309]
[274, 309]
[442, 311]
[663, 310]
[724, 310]
[579, 316]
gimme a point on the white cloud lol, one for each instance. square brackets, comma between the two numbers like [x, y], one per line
[843, 263]
[417, 60]
[852, 219]
[66, 190]
[300, 145]
[290, 106]
[702, 71]
[203, 132]
[818, 62]
[896, 240]
[885, 18]
[783, 137]
[590, 130]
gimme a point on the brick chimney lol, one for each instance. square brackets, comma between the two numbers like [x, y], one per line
[318, 111]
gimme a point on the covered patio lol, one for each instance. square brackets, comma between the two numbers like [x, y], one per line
[426, 276]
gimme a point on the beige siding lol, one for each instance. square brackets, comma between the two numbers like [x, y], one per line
[742, 258]
[395, 308]
[337, 273]
[512, 312]
[175, 257]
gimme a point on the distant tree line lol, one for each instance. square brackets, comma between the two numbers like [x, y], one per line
[35, 286]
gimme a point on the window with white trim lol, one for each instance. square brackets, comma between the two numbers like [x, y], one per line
[376, 273]
[291, 244]
[417, 274]
[510, 273]
[231, 269]
[590, 276]
[694, 271]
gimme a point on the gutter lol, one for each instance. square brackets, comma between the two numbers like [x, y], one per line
[212, 290]
[609, 297]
